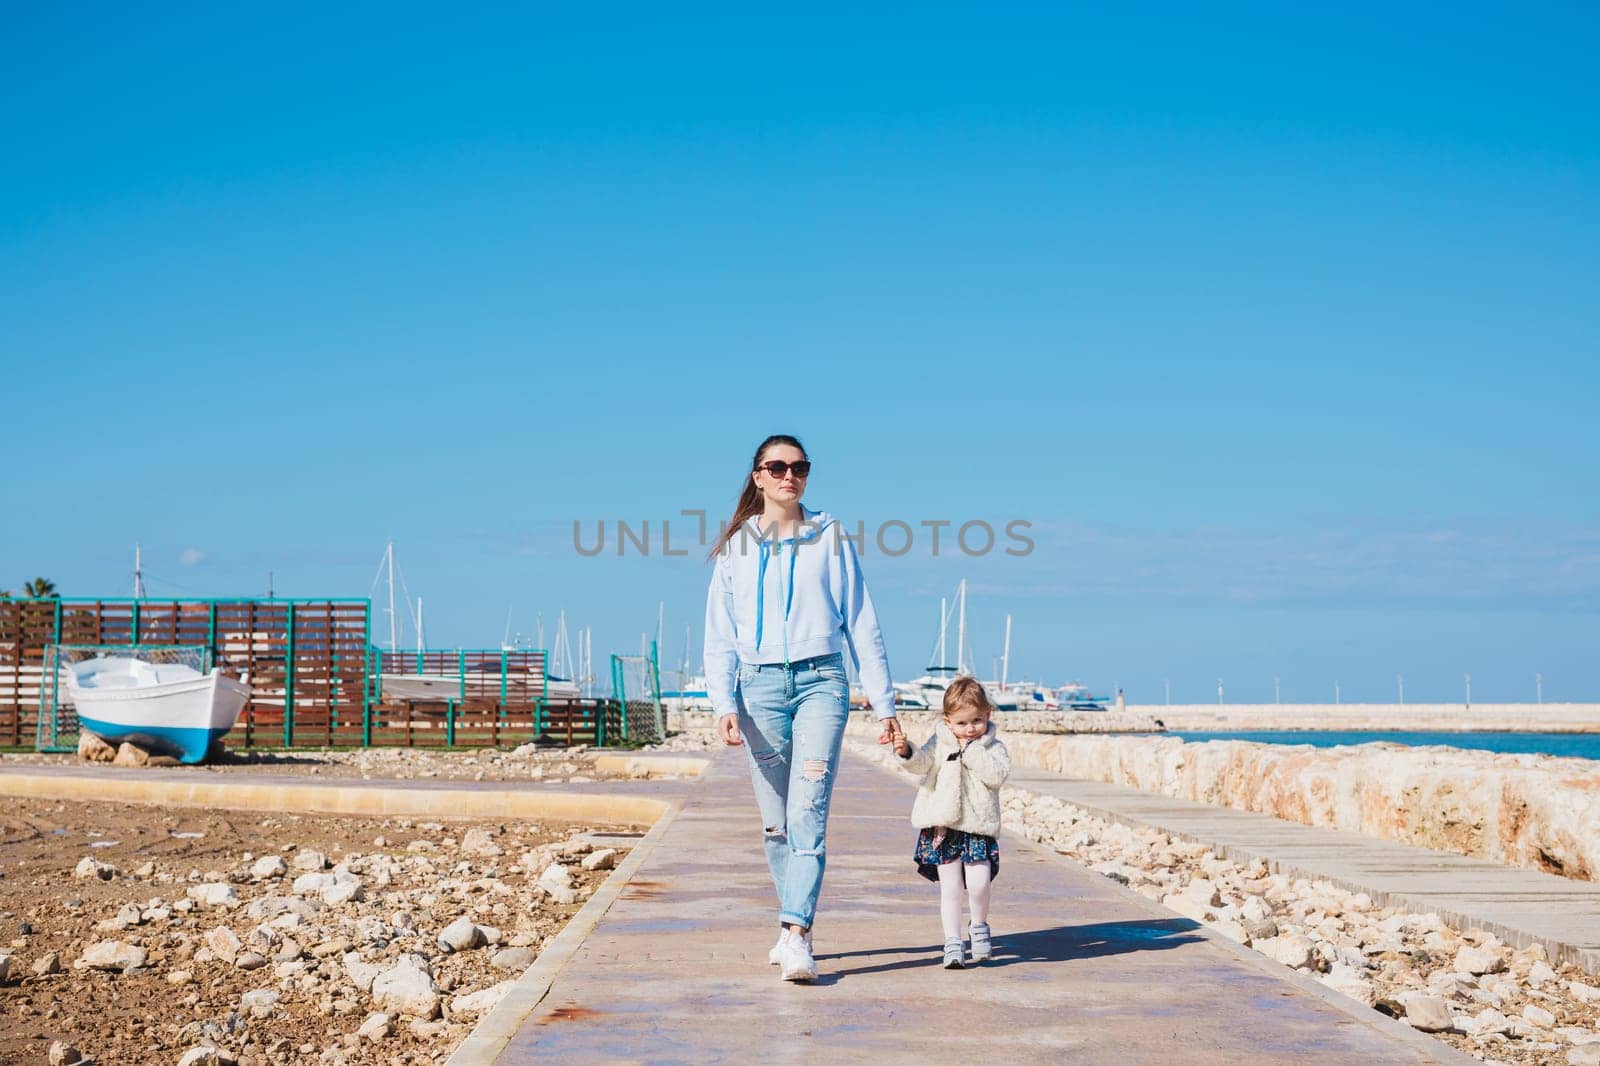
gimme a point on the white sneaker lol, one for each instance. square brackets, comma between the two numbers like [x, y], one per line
[775, 956]
[796, 960]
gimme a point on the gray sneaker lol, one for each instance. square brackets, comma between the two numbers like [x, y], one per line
[954, 955]
[982, 946]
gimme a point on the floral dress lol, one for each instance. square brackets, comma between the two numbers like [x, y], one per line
[937, 846]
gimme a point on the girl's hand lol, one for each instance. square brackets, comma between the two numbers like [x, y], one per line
[891, 733]
[728, 730]
[902, 746]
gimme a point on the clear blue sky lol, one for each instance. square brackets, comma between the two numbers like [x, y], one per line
[1280, 327]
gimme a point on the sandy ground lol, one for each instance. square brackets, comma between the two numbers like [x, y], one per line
[239, 930]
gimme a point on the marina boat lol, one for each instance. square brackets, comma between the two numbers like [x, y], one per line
[170, 709]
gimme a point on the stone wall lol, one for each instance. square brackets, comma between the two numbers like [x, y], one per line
[1535, 811]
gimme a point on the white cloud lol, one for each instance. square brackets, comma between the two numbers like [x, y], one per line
[191, 556]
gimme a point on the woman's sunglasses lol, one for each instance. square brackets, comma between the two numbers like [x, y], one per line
[777, 468]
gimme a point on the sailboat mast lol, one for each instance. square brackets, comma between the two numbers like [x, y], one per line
[394, 640]
[138, 573]
[961, 631]
[421, 646]
[1005, 656]
[944, 623]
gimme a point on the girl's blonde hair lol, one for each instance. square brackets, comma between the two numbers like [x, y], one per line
[967, 694]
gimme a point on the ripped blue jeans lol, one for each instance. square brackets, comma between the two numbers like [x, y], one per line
[792, 719]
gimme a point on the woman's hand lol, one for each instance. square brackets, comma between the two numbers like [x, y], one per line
[892, 734]
[728, 730]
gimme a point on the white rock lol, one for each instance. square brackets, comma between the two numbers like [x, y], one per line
[1293, 950]
[557, 881]
[268, 867]
[1584, 993]
[478, 841]
[1428, 1013]
[63, 1054]
[406, 988]
[5, 967]
[478, 1002]
[259, 1003]
[1255, 909]
[223, 942]
[310, 860]
[214, 894]
[1232, 930]
[460, 935]
[88, 867]
[312, 884]
[377, 1027]
[1350, 982]
[361, 973]
[604, 859]
[113, 955]
[1203, 892]
[1536, 1015]
[1541, 973]
[345, 887]
[204, 1055]
[179, 977]
[1478, 961]
[1584, 1055]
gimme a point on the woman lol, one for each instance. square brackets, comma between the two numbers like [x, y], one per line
[787, 599]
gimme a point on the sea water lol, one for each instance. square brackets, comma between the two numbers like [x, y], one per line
[1570, 745]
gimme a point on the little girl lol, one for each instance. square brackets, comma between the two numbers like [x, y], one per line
[963, 764]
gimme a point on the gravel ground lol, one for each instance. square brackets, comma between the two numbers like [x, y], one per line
[525, 763]
[158, 935]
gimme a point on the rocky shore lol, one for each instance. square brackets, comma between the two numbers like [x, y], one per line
[1464, 986]
[1535, 811]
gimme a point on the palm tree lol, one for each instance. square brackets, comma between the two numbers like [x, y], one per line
[40, 588]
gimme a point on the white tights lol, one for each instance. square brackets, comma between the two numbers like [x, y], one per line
[955, 880]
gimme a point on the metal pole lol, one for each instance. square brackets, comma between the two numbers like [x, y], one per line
[1276, 695]
[1219, 692]
[1400, 679]
[1336, 697]
[1538, 687]
[1469, 692]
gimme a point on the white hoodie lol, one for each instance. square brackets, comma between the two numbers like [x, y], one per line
[775, 601]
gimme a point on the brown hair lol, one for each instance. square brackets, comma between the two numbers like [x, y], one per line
[967, 694]
[749, 503]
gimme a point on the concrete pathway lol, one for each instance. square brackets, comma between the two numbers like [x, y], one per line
[1519, 906]
[1087, 971]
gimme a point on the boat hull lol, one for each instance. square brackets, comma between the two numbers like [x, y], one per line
[180, 718]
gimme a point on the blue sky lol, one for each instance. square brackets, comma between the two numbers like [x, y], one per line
[1279, 328]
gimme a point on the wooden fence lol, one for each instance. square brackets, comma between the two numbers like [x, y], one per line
[313, 675]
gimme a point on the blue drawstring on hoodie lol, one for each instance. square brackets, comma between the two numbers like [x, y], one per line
[761, 591]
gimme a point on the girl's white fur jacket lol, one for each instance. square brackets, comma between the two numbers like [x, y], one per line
[961, 793]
